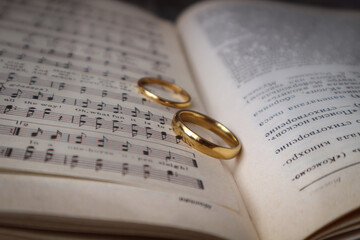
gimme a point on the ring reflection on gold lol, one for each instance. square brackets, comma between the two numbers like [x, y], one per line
[152, 96]
[201, 144]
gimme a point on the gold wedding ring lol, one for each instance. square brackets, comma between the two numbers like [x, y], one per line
[176, 89]
[201, 144]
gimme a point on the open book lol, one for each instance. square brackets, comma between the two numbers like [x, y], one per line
[85, 156]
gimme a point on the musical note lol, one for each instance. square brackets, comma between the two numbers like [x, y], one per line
[74, 161]
[148, 115]
[82, 89]
[168, 157]
[147, 151]
[28, 152]
[125, 147]
[163, 135]
[104, 93]
[101, 141]
[16, 131]
[124, 97]
[114, 126]
[11, 77]
[8, 152]
[35, 134]
[49, 154]
[177, 139]
[146, 171]
[17, 94]
[50, 98]
[32, 80]
[81, 120]
[38, 95]
[148, 134]
[162, 120]
[101, 106]
[61, 86]
[80, 138]
[30, 111]
[7, 108]
[46, 112]
[143, 101]
[55, 136]
[133, 130]
[98, 124]
[135, 112]
[85, 104]
[125, 168]
[169, 174]
[99, 164]
[117, 108]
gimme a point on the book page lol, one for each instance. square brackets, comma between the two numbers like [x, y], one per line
[75, 128]
[286, 80]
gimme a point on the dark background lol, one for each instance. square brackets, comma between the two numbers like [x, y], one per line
[170, 9]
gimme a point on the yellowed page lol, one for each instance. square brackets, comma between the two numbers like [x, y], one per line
[286, 80]
[79, 144]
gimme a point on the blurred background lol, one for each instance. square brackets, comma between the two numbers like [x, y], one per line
[170, 9]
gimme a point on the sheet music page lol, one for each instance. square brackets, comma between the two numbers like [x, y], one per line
[70, 108]
[286, 80]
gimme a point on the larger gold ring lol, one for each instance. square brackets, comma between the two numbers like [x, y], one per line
[201, 144]
[178, 90]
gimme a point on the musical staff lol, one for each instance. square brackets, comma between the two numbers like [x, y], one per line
[132, 32]
[84, 120]
[98, 18]
[137, 42]
[102, 142]
[50, 156]
[85, 103]
[122, 96]
[79, 67]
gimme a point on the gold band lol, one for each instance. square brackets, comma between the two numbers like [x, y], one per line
[200, 143]
[178, 90]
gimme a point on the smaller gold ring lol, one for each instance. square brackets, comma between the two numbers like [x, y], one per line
[178, 90]
[201, 144]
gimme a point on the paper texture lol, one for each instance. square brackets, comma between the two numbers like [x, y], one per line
[286, 80]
